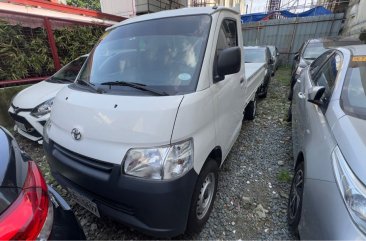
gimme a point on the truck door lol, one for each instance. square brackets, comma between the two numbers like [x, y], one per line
[228, 94]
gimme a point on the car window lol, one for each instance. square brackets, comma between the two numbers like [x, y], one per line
[327, 76]
[318, 63]
[69, 72]
[313, 50]
[353, 98]
[228, 37]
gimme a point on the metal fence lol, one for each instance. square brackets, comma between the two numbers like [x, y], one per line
[289, 34]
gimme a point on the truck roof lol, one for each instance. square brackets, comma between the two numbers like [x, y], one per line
[174, 13]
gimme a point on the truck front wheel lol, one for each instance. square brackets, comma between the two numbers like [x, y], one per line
[203, 197]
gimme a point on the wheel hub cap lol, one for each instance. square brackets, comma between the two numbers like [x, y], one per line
[206, 195]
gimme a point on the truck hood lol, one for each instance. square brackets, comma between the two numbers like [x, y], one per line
[111, 124]
[36, 94]
[349, 133]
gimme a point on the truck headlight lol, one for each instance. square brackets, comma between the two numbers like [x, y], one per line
[43, 108]
[160, 163]
[352, 190]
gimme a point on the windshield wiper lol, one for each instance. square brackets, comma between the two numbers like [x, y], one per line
[91, 86]
[135, 86]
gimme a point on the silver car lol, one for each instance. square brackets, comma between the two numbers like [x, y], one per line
[328, 194]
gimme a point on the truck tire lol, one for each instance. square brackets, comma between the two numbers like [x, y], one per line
[262, 91]
[250, 110]
[203, 197]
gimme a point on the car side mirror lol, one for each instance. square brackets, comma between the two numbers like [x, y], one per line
[315, 93]
[297, 55]
[278, 54]
[228, 62]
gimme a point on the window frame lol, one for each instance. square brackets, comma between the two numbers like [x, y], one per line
[214, 69]
[329, 90]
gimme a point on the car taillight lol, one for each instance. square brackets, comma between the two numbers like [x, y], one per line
[26, 216]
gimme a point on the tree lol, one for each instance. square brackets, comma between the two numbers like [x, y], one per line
[88, 4]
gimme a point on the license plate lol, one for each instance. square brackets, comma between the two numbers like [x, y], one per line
[85, 202]
[21, 126]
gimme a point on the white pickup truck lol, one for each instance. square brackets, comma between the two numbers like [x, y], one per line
[153, 114]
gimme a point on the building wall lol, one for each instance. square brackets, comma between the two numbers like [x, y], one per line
[355, 24]
[130, 8]
[239, 4]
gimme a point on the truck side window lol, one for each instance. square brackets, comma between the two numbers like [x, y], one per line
[327, 76]
[228, 37]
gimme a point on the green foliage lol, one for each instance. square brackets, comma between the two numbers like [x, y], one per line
[25, 52]
[89, 4]
[284, 176]
[72, 42]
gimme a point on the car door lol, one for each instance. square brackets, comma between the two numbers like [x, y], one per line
[299, 101]
[317, 144]
[313, 126]
[229, 94]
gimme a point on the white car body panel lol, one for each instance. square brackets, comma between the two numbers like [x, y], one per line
[37, 94]
[30, 98]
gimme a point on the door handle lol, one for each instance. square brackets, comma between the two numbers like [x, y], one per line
[241, 80]
[301, 95]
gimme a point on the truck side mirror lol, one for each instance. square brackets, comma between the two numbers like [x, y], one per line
[315, 93]
[228, 62]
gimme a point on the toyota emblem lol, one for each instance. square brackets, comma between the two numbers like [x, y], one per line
[76, 134]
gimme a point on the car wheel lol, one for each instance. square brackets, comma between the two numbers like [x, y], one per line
[250, 110]
[295, 199]
[203, 197]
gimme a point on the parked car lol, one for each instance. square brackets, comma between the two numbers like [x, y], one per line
[29, 209]
[328, 193]
[258, 54]
[30, 108]
[312, 49]
[156, 109]
[275, 56]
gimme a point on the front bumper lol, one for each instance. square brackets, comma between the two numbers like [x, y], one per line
[157, 208]
[65, 225]
[324, 214]
[32, 127]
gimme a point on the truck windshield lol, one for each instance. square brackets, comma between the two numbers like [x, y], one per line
[254, 55]
[354, 89]
[162, 54]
